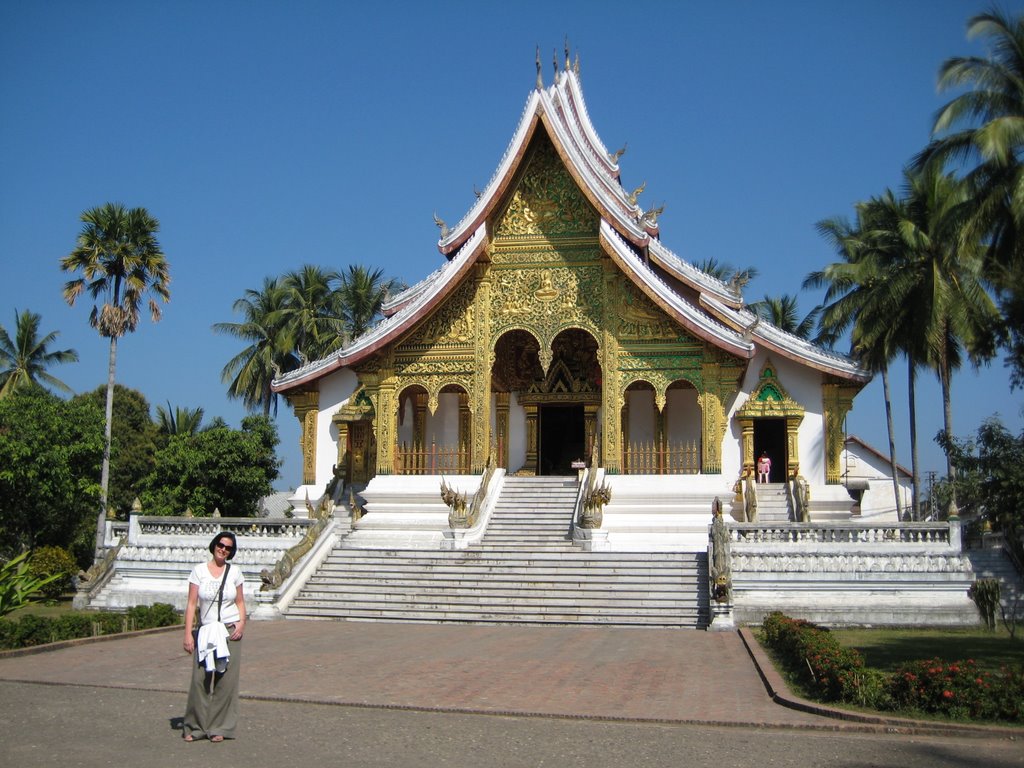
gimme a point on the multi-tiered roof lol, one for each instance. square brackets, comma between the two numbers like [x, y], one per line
[708, 308]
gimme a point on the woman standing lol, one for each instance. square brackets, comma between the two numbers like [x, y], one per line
[217, 588]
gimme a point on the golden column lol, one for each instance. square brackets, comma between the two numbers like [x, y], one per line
[590, 433]
[530, 467]
[306, 405]
[501, 428]
[837, 400]
[484, 355]
[465, 434]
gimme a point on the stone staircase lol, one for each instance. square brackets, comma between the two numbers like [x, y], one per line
[772, 503]
[996, 564]
[524, 571]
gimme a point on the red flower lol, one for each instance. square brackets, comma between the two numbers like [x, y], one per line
[947, 694]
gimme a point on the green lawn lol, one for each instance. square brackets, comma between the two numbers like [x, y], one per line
[888, 648]
[50, 608]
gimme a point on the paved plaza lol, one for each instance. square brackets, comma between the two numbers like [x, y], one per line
[411, 694]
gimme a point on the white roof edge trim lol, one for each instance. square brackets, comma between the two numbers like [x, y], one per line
[585, 170]
[588, 127]
[590, 145]
[412, 290]
[686, 269]
[802, 348]
[529, 109]
[386, 325]
[709, 325]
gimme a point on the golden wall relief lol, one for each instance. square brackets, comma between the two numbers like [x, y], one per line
[639, 319]
[837, 400]
[306, 405]
[453, 324]
[546, 202]
[546, 301]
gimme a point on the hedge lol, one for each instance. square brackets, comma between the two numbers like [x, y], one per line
[32, 630]
[830, 672]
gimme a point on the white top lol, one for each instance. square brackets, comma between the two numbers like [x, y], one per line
[209, 586]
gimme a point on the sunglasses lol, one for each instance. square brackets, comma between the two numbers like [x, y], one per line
[225, 547]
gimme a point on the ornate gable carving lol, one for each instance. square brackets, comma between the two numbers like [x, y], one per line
[770, 399]
[547, 202]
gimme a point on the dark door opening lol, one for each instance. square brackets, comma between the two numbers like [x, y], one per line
[770, 439]
[561, 439]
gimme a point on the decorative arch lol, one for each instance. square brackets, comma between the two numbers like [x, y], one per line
[770, 400]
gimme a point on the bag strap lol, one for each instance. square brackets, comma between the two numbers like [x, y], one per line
[220, 592]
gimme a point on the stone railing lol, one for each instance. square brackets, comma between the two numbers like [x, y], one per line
[914, 534]
[208, 527]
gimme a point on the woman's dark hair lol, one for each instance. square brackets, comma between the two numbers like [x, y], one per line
[225, 535]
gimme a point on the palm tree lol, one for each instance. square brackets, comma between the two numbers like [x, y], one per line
[940, 295]
[271, 349]
[361, 294]
[26, 357]
[852, 298]
[312, 311]
[983, 128]
[179, 421]
[783, 312]
[120, 261]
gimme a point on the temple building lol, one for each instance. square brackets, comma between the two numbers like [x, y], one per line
[562, 424]
[561, 332]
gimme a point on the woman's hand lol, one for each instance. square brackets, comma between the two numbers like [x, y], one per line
[237, 634]
[190, 643]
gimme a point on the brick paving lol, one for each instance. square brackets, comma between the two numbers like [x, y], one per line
[588, 672]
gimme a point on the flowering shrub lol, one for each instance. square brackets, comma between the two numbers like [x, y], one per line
[957, 689]
[825, 667]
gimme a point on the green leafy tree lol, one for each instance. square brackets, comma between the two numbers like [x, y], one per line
[989, 477]
[361, 293]
[854, 300]
[179, 421]
[313, 311]
[26, 357]
[217, 468]
[784, 313]
[271, 349]
[50, 454]
[120, 261]
[134, 444]
[982, 130]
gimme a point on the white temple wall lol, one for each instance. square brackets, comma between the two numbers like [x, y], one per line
[516, 434]
[804, 387]
[861, 467]
[641, 415]
[442, 426]
[335, 390]
[683, 416]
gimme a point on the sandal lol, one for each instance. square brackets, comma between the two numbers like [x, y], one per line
[217, 739]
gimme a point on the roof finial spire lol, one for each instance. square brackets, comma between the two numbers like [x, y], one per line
[441, 225]
[567, 62]
[554, 61]
[540, 80]
[636, 193]
[576, 64]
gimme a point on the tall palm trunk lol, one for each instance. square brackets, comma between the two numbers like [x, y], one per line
[945, 374]
[892, 439]
[915, 466]
[105, 472]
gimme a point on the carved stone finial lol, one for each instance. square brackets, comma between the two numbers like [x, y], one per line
[137, 506]
[189, 512]
[441, 225]
[216, 512]
[614, 156]
[635, 194]
[540, 80]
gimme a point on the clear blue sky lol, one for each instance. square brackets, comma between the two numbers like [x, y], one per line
[266, 135]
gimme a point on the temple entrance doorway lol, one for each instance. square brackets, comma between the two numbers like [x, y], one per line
[770, 438]
[562, 439]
